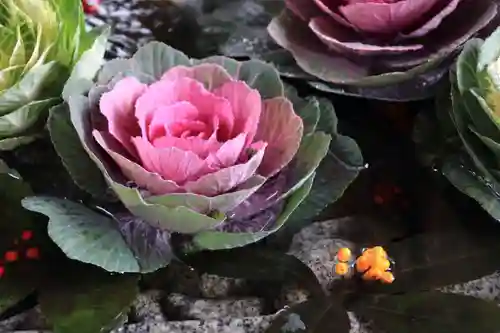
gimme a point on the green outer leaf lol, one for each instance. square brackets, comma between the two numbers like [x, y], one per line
[111, 69]
[491, 144]
[459, 115]
[221, 203]
[490, 50]
[154, 59]
[431, 312]
[22, 119]
[482, 119]
[467, 70]
[261, 76]
[344, 160]
[489, 112]
[166, 218]
[471, 186]
[82, 169]
[312, 151]
[14, 142]
[257, 74]
[27, 89]
[89, 301]
[84, 235]
[213, 240]
[308, 110]
[86, 68]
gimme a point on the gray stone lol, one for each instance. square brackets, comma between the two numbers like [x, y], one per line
[147, 307]
[213, 286]
[205, 309]
[222, 325]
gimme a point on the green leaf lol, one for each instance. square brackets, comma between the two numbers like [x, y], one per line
[333, 177]
[261, 76]
[467, 70]
[308, 110]
[111, 69]
[257, 74]
[22, 119]
[460, 115]
[320, 315]
[490, 50]
[431, 312]
[465, 181]
[224, 202]
[154, 59]
[483, 119]
[28, 89]
[85, 235]
[443, 258]
[14, 142]
[86, 299]
[82, 169]
[86, 68]
[328, 117]
[334, 174]
[214, 240]
[172, 218]
[93, 238]
[254, 264]
[312, 151]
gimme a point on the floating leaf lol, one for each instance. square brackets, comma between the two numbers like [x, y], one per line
[319, 315]
[249, 263]
[86, 299]
[431, 312]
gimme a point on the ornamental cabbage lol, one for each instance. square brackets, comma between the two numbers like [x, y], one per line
[376, 42]
[41, 40]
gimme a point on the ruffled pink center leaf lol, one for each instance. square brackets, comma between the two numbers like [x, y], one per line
[183, 136]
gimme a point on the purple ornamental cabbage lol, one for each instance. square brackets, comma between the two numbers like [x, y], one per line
[376, 42]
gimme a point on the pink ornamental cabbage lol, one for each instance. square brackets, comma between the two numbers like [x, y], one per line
[176, 136]
[211, 147]
[354, 41]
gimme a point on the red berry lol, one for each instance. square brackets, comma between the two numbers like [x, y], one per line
[33, 253]
[11, 256]
[2, 271]
[27, 235]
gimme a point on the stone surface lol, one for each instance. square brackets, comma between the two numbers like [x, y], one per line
[213, 286]
[205, 309]
[147, 307]
[226, 312]
[222, 325]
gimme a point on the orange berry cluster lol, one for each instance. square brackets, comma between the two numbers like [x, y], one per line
[373, 264]
[11, 256]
